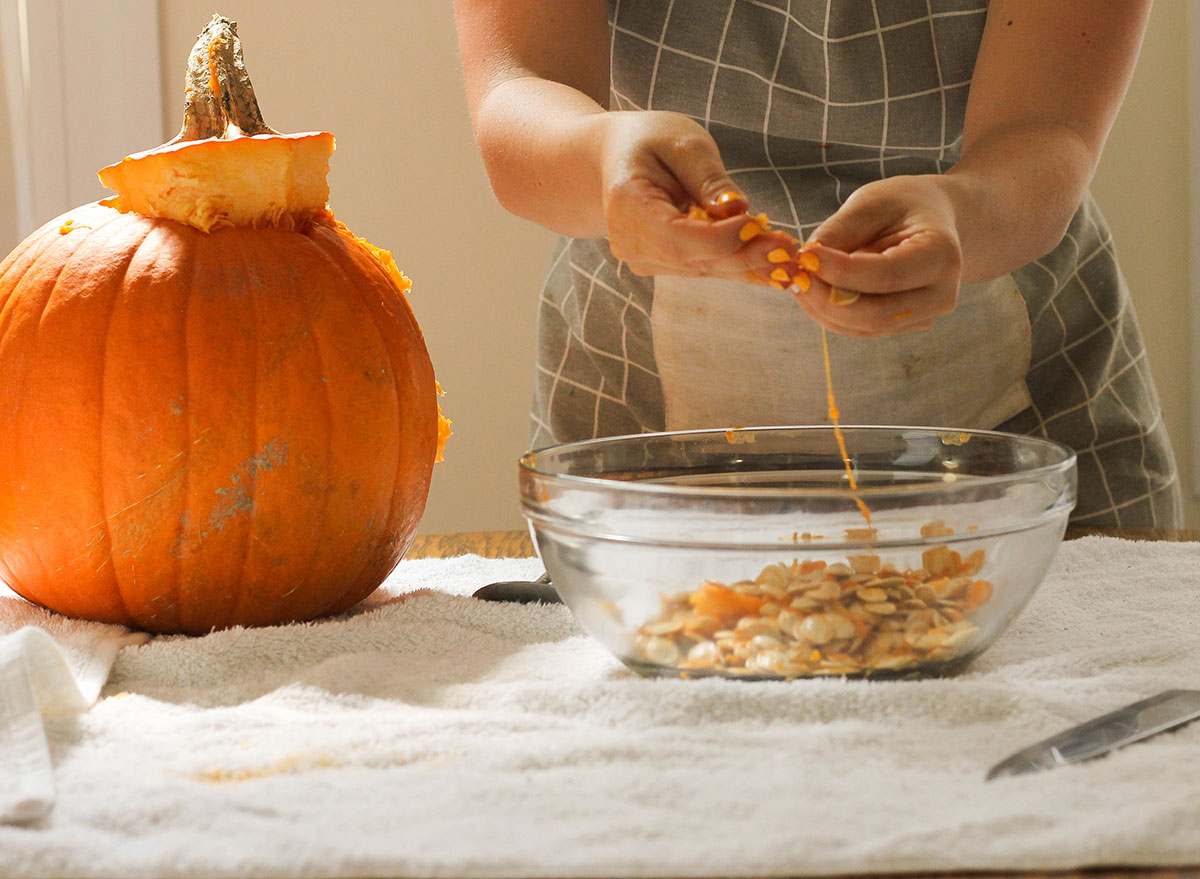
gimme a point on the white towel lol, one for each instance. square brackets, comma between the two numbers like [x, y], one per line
[52, 666]
[427, 733]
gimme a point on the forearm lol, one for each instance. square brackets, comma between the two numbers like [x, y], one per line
[540, 142]
[536, 74]
[1048, 81]
[1014, 192]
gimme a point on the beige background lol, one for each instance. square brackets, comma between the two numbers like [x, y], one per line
[383, 76]
[8, 214]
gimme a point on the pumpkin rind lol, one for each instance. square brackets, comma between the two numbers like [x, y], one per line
[204, 429]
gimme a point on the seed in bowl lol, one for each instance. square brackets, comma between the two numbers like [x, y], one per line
[813, 618]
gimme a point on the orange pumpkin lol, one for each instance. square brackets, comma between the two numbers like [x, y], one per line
[216, 406]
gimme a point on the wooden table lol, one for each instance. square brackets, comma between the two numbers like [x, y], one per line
[517, 544]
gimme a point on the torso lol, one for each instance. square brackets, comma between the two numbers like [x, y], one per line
[808, 100]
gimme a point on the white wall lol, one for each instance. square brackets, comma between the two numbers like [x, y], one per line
[383, 76]
[81, 105]
[8, 189]
[1142, 186]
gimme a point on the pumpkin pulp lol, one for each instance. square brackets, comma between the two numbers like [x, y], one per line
[835, 417]
[752, 229]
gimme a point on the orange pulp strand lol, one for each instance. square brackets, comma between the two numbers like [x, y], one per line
[837, 427]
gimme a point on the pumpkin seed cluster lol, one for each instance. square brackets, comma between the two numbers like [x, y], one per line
[813, 618]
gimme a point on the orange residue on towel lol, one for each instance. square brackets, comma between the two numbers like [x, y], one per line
[305, 761]
[287, 766]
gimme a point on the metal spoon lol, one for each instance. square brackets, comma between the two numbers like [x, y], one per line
[520, 591]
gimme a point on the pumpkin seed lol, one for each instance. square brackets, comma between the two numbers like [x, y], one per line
[666, 627]
[828, 619]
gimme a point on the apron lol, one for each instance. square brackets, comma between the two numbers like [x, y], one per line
[967, 371]
[807, 100]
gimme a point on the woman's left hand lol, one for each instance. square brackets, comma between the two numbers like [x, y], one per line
[891, 254]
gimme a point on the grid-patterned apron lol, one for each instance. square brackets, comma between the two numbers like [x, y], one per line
[808, 100]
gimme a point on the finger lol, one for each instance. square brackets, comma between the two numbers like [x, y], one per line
[823, 319]
[728, 202]
[696, 163]
[919, 260]
[644, 225]
[643, 201]
[877, 314]
[733, 268]
[773, 255]
[727, 269]
[708, 240]
[863, 218]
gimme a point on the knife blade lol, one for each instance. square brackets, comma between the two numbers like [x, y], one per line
[1094, 738]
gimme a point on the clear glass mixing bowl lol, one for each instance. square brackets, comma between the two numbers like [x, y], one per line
[745, 553]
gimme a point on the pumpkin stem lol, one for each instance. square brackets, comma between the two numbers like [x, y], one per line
[219, 100]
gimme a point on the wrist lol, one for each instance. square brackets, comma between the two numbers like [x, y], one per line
[974, 223]
[1015, 193]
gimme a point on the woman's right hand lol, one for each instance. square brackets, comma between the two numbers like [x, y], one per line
[655, 166]
[537, 77]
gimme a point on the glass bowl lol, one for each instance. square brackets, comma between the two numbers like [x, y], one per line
[745, 553]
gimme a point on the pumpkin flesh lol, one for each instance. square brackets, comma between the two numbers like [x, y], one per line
[276, 180]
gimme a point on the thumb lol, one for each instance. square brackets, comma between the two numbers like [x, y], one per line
[860, 222]
[698, 167]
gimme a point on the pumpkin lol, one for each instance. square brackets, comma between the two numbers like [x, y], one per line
[216, 405]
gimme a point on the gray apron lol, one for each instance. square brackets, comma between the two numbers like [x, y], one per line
[808, 100]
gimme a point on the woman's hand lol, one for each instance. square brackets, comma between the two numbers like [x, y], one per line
[1045, 89]
[654, 167]
[891, 255]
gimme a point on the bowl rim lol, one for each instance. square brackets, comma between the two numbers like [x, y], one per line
[528, 464]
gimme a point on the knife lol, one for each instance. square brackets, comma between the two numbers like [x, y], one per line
[1167, 710]
[521, 591]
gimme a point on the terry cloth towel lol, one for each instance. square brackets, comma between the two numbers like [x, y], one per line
[430, 734]
[52, 666]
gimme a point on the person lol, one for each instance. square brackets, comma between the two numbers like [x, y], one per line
[923, 166]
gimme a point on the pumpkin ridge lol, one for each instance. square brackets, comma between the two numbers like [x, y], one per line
[383, 261]
[39, 237]
[400, 518]
[326, 392]
[331, 238]
[21, 390]
[13, 260]
[246, 536]
[47, 239]
[187, 560]
[70, 262]
[287, 607]
[20, 395]
[49, 288]
[185, 413]
[150, 609]
[117, 587]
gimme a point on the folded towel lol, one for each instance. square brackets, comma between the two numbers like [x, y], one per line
[427, 733]
[49, 665]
